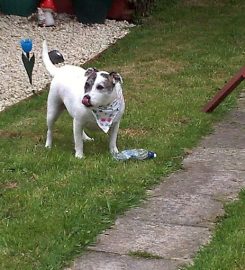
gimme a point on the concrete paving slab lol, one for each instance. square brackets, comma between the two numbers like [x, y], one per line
[109, 261]
[241, 104]
[236, 117]
[216, 159]
[167, 241]
[181, 209]
[202, 179]
[232, 137]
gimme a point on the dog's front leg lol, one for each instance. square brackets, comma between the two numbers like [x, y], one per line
[77, 126]
[113, 138]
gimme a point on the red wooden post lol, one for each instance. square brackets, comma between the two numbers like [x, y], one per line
[225, 91]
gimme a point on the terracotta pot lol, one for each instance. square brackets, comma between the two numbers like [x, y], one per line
[64, 6]
[120, 10]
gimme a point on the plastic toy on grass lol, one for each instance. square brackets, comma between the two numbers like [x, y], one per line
[26, 45]
[139, 154]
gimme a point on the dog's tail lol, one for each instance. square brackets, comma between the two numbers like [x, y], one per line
[51, 68]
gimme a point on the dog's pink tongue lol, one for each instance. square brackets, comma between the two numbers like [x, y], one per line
[86, 101]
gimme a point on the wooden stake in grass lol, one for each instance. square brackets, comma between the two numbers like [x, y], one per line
[225, 91]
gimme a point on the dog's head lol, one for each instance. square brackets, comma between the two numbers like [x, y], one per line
[100, 87]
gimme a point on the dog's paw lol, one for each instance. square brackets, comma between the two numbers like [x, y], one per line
[79, 155]
[48, 146]
[114, 150]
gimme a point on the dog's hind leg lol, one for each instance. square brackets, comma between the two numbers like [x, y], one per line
[53, 111]
[86, 137]
[77, 126]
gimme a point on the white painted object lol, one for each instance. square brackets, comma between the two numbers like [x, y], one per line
[45, 17]
[49, 19]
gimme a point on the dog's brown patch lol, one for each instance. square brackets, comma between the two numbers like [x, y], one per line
[108, 83]
[105, 75]
[89, 71]
[90, 82]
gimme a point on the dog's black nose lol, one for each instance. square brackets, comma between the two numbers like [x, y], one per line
[86, 101]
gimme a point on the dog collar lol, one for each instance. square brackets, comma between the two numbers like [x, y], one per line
[105, 115]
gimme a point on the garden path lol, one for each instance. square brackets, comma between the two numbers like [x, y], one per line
[180, 213]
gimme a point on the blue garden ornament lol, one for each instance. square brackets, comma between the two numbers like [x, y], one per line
[26, 45]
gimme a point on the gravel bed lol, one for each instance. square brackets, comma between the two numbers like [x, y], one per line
[77, 42]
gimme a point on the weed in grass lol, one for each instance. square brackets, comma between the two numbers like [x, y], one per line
[144, 254]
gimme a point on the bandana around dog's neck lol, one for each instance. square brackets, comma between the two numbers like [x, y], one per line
[105, 115]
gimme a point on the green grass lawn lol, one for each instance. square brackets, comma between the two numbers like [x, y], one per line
[53, 205]
[227, 249]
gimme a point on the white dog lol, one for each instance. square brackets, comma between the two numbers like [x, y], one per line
[93, 98]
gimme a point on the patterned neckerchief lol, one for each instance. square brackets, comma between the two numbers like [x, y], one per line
[105, 115]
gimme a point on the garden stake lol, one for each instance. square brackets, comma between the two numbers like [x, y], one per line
[225, 91]
[26, 45]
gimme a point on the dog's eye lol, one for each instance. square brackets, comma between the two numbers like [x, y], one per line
[100, 87]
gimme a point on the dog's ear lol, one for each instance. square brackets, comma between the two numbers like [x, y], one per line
[116, 77]
[90, 70]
